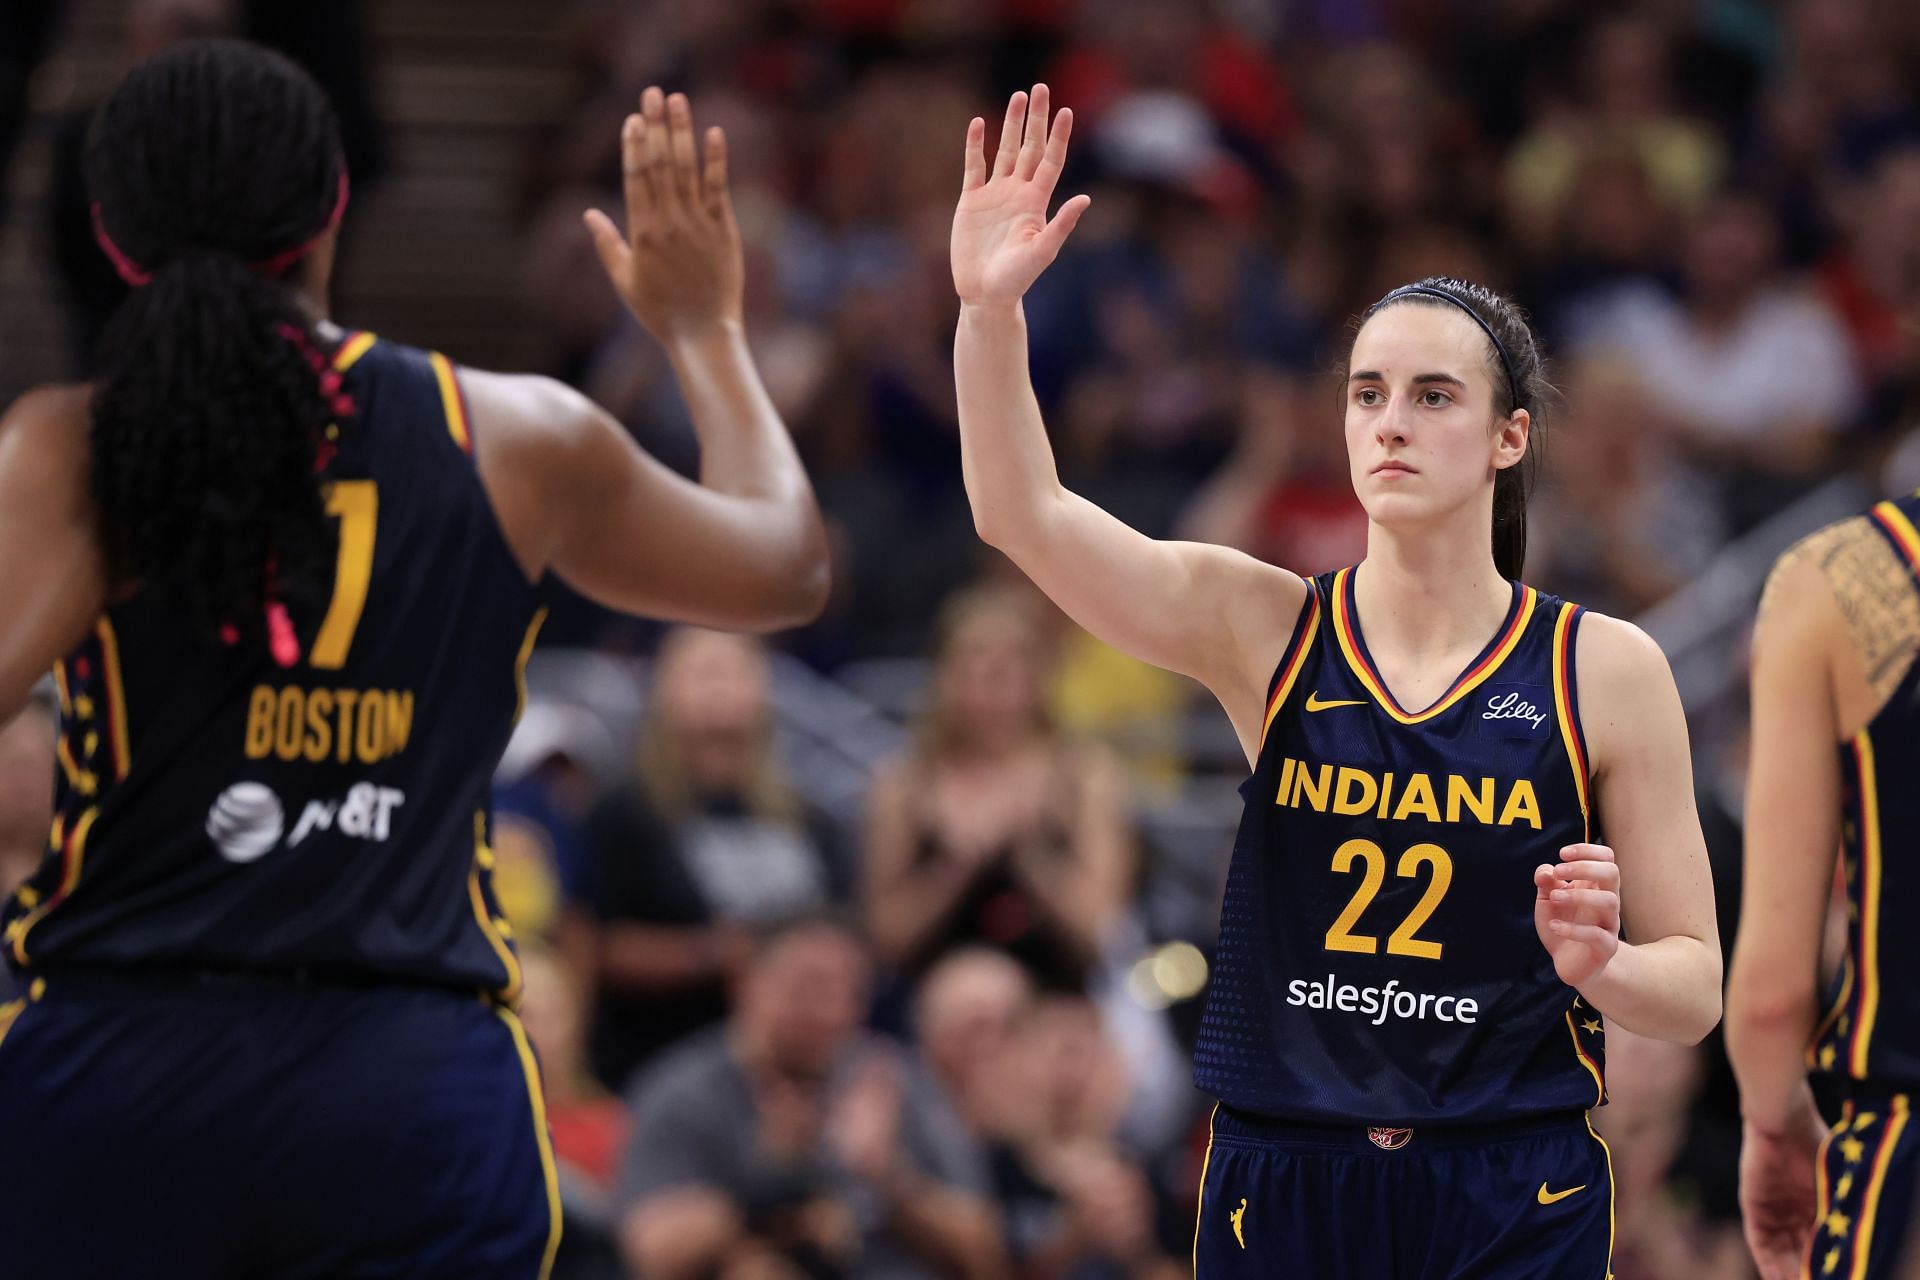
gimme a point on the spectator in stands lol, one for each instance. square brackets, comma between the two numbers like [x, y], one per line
[707, 840]
[1753, 370]
[993, 828]
[785, 1145]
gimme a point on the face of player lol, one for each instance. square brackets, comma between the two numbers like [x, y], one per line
[1423, 436]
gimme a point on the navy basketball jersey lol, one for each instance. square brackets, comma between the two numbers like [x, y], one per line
[1377, 960]
[214, 809]
[1872, 1027]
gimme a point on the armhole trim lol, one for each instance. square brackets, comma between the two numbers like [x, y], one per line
[1566, 706]
[1305, 629]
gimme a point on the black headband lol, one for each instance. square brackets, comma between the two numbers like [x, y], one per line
[1499, 347]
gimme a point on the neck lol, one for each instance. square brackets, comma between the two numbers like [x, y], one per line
[1430, 590]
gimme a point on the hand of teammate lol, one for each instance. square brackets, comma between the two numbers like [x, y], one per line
[1576, 911]
[679, 267]
[1002, 239]
[1777, 1192]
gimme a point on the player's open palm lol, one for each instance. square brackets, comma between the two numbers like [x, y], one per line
[1777, 1204]
[679, 266]
[1002, 239]
[1576, 911]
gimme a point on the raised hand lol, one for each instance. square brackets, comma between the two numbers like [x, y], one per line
[1576, 911]
[679, 266]
[1002, 239]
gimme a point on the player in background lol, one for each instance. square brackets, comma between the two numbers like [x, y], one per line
[287, 577]
[1421, 937]
[1835, 761]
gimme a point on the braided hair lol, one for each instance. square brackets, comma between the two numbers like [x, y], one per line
[214, 168]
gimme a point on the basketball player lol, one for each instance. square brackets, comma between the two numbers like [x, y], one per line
[1421, 941]
[287, 577]
[1836, 741]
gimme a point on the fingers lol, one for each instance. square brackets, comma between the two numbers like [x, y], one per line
[655, 158]
[1003, 159]
[975, 173]
[608, 243]
[1605, 941]
[713, 182]
[686, 180]
[1056, 232]
[1055, 157]
[633, 173]
[1036, 134]
[1586, 853]
[1605, 875]
[1587, 906]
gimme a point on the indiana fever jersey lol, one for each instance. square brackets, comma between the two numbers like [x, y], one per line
[215, 809]
[1872, 1027]
[1377, 960]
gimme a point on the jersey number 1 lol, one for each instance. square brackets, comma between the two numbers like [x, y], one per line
[357, 505]
[1402, 942]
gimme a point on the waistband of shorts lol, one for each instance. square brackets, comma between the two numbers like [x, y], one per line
[1233, 1125]
[214, 981]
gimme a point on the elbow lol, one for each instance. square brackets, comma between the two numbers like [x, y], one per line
[1757, 1007]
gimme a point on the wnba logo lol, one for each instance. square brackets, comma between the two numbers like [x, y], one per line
[246, 821]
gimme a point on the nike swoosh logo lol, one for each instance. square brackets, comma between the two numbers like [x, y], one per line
[1555, 1197]
[1315, 704]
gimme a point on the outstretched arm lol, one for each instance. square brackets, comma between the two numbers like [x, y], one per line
[53, 579]
[1665, 983]
[743, 548]
[1205, 611]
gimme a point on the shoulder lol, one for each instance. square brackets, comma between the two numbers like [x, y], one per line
[530, 413]
[1611, 653]
[44, 450]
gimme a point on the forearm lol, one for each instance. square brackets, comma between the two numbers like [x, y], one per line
[1668, 988]
[1766, 1041]
[745, 449]
[1005, 456]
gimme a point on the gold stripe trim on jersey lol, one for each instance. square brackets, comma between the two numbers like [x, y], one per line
[520, 662]
[116, 698]
[1295, 661]
[1564, 710]
[550, 1171]
[483, 861]
[1868, 968]
[1346, 632]
[352, 349]
[1870, 1206]
[60, 686]
[73, 857]
[1593, 1068]
[451, 400]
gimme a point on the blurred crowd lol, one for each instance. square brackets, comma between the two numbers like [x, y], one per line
[941, 1034]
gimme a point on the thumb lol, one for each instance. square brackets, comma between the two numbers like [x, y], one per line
[1055, 233]
[608, 243]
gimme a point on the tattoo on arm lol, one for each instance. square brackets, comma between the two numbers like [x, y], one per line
[1876, 594]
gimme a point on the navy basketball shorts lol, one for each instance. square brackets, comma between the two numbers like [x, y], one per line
[1864, 1191]
[214, 1127]
[1523, 1200]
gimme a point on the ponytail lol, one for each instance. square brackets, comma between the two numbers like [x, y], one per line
[206, 425]
[215, 167]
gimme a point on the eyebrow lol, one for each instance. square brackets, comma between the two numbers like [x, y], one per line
[1419, 379]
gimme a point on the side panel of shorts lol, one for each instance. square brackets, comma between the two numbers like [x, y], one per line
[1868, 1178]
